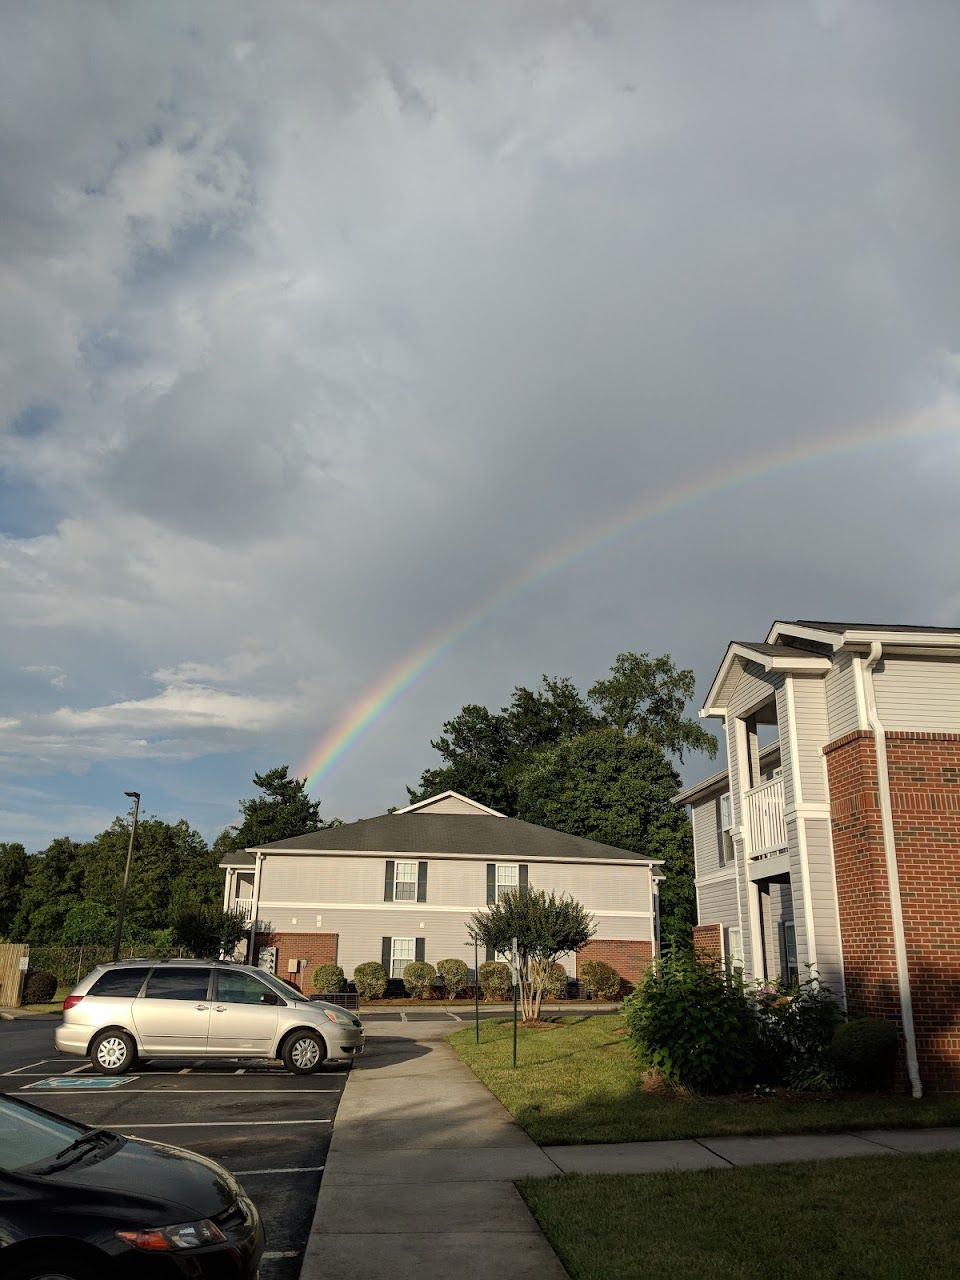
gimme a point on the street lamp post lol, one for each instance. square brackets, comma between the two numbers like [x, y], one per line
[476, 981]
[135, 797]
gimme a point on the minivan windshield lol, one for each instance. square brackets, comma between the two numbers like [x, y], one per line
[29, 1137]
[288, 993]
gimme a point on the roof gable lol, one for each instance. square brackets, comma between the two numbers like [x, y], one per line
[451, 802]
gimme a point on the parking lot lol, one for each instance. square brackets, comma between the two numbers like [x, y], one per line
[269, 1128]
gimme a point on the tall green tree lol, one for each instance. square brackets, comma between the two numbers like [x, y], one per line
[618, 790]
[54, 882]
[647, 697]
[14, 865]
[281, 811]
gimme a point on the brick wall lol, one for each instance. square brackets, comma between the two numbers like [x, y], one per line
[708, 940]
[630, 959]
[315, 948]
[924, 771]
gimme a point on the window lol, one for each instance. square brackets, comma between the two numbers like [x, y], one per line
[734, 949]
[402, 953]
[791, 969]
[119, 982]
[178, 984]
[30, 1137]
[508, 877]
[241, 988]
[725, 828]
[405, 882]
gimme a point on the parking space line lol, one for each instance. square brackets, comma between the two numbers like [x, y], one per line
[403, 1016]
[455, 1016]
[184, 1071]
[241, 1071]
[285, 1253]
[251, 1173]
[18, 1070]
[77, 1070]
[221, 1124]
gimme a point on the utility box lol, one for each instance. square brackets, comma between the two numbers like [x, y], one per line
[267, 959]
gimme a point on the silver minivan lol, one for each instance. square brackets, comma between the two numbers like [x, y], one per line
[135, 1009]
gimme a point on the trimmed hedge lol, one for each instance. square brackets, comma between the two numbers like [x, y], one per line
[418, 978]
[329, 979]
[495, 980]
[370, 979]
[865, 1050]
[39, 987]
[454, 977]
[557, 980]
[600, 979]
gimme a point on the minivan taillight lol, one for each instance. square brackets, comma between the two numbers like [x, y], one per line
[70, 1002]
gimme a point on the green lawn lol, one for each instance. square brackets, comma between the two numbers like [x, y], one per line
[878, 1218]
[579, 1083]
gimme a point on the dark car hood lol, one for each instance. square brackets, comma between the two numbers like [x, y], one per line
[156, 1174]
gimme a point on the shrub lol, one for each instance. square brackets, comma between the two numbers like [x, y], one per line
[865, 1051]
[556, 982]
[328, 978]
[693, 1023]
[454, 977]
[370, 979]
[795, 1028]
[495, 980]
[418, 978]
[600, 979]
[39, 986]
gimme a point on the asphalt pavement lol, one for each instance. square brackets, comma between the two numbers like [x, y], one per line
[269, 1128]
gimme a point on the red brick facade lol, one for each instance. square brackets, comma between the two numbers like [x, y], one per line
[314, 948]
[630, 959]
[924, 772]
[708, 940]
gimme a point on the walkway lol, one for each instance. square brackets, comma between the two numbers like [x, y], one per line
[419, 1177]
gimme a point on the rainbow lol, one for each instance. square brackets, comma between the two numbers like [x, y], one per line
[363, 715]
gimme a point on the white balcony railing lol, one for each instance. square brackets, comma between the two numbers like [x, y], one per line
[244, 906]
[764, 826]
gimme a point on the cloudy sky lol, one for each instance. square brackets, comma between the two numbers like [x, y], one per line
[320, 321]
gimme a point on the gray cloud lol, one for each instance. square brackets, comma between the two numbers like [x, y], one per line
[313, 330]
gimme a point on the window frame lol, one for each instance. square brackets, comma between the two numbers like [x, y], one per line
[727, 852]
[790, 962]
[146, 970]
[160, 969]
[403, 959]
[733, 957]
[397, 881]
[497, 885]
[249, 977]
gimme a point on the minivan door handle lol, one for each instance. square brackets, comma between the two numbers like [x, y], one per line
[203, 1006]
[221, 1008]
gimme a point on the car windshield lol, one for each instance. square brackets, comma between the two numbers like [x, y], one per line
[29, 1137]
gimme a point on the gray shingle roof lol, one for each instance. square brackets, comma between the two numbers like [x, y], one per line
[451, 833]
[840, 627]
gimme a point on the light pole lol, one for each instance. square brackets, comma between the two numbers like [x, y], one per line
[476, 981]
[135, 797]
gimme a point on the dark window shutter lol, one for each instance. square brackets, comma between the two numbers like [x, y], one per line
[491, 882]
[385, 955]
[421, 882]
[420, 949]
[388, 879]
[489, 954]
[523, 875]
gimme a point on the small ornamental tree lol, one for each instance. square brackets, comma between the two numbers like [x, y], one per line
[455, 977]
[545, 926]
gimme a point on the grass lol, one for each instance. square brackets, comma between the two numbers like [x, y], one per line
[579, 1083]
[876, 1218]
[52, 1006]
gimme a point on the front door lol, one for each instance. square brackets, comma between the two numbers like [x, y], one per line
[173, 1014]
[243, 1020]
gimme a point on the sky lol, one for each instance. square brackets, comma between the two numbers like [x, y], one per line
[319, 322]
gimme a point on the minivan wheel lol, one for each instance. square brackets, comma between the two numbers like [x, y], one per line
[304, 1053]
[112, 1053]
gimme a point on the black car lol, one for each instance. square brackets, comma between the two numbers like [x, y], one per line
[78, 1203]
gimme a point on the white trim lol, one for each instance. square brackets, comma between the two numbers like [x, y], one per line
[532, 858]
[254, 911]
[790, 660]
[811, 809]
[862, 720]
[810, 930]
[764, 868]
[727, 872]
[741, 747]
[893, 870]
[300, 905]
[832, 638]
[452, 795]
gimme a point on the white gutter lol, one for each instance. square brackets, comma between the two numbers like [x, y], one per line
[255, 909]
[893, 872]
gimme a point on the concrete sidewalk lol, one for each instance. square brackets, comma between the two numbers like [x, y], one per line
[419, 1176]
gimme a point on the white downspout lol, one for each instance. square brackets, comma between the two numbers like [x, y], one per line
[893, 872]
[255, 905]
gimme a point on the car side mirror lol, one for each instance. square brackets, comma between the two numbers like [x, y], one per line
[268, 997]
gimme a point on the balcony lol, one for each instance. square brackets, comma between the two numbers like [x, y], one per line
[764, 827]
[244, 906]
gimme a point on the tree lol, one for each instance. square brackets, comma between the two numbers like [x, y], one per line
[207, 931]
[619, 791]
[283, 810]
[646, 697]
[53, 883]
[546, 927]
[88, 924]
[484, 751]
[14, 865]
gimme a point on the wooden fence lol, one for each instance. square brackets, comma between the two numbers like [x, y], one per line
[12, 973]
